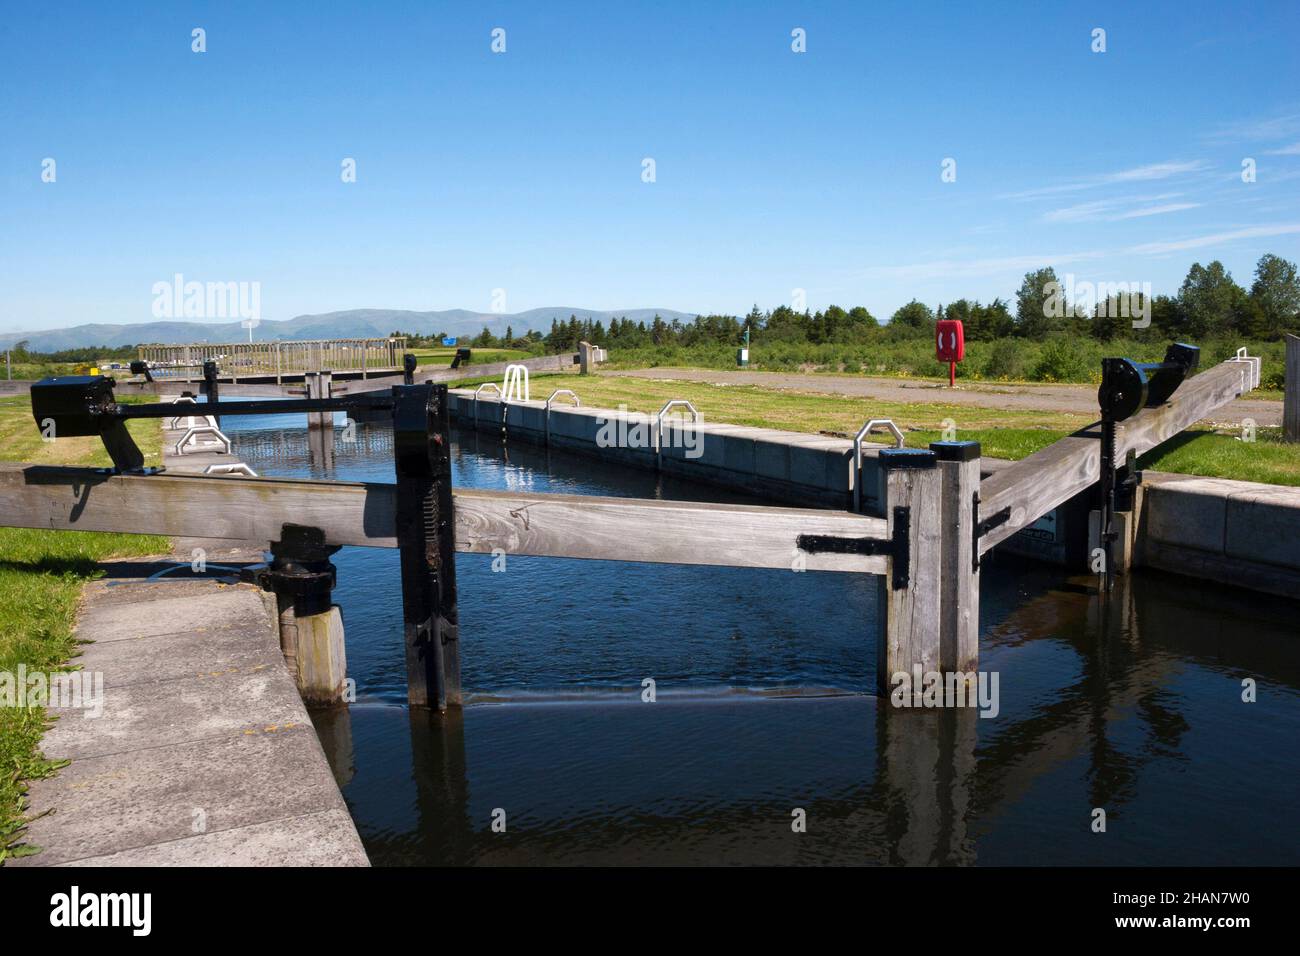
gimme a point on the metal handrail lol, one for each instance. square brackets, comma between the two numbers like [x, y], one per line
[197, 430]
[516, 383]
[1253, 364]
[857, 453]
[577, 402]
[171, 422]
[659, 424]
[238, 468]
[491, 385]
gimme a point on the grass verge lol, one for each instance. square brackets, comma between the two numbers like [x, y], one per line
[41, 576]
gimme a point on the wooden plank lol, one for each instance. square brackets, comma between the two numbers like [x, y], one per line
[959, 579]
[1291, 397]
[356, 513]
[909, 631]
[1035, 485]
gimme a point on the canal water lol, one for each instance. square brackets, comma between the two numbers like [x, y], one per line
[766, 719]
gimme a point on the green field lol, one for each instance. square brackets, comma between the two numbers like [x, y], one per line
[41, 575]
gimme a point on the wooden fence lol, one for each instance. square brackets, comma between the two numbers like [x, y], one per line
[275, 359]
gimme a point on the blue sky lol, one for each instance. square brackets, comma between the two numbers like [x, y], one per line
[522, 171]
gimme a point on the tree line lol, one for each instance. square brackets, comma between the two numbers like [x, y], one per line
[1209, 304]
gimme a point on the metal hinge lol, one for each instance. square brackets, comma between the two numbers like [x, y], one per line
[897, 547]
[980, 528]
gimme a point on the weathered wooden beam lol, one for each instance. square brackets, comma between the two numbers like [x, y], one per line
[1035, 485]
[959, 579]
[356, 513]
[909, 595]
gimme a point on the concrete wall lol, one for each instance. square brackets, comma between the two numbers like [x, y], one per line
[1236, 532]
[791, 467]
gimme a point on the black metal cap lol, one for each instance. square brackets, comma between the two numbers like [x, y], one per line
[906, 458]
[955, 450]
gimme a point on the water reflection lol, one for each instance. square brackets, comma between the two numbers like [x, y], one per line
[1131, 703]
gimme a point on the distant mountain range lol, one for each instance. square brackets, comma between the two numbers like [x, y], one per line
[354, 323]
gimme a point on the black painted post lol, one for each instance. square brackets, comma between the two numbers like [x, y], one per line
[210, 386]
[426, 544]
[408, 368]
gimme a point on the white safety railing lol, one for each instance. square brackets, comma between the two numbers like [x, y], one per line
[238, 468]
[659, 424]
[1250, 380]
[577, 402]
[189, 442]
[516, 383]
[857, 453]
[496, 388]
[175, 422]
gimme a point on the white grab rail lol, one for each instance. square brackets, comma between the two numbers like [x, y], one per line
[516, 383]
[496, 388]
[659, 424]
[857, 453]
[577, 402]
[238, 468]
[190, 440]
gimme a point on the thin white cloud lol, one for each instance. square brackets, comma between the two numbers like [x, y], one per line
[1218, 238]
[1274, 127]
[1154, 171]
[1156, 210]
[1292, 150]
[1147, 173]
[959, 268]
[1113, 210]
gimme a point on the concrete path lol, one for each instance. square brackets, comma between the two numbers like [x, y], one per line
[1080, 399]
[203, 753]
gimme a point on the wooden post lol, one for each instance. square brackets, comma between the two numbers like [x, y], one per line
[319, 386]
[909, 597]
[311, 627]
[320, 425]
[425, 525]
[1291, 398]
[959, 581]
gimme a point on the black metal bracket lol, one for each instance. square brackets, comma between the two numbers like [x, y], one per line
[980, 528]
[898, 546]
[300, 569]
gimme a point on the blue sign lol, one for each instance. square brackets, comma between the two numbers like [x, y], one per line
[448, 341]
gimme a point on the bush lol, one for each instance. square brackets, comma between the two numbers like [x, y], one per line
[1062, 360]
[1006, 360]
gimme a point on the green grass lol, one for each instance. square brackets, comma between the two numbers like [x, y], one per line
[41, 576]
[1002, 433]
[1201, 451]
[804, 412]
